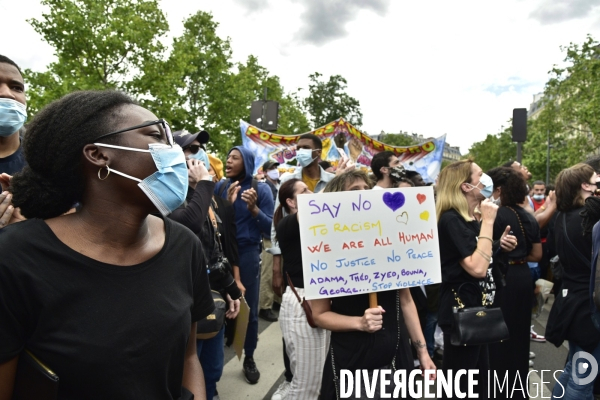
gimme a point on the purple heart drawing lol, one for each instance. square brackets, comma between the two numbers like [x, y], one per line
[394, 200]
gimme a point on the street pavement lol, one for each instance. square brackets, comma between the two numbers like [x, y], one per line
[269, 360]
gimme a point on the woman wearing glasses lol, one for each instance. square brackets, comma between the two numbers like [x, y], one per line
[108, 297]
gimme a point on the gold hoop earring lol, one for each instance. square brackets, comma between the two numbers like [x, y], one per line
[107, 174]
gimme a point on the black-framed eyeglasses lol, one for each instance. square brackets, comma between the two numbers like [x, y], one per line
[162, 125]
[193, 148]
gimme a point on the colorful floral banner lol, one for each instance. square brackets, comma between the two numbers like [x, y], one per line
[425, 158]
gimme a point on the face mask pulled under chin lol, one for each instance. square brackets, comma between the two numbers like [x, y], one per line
[168, 186]
[496, 201]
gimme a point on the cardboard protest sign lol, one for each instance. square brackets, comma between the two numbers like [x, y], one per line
[368, 241]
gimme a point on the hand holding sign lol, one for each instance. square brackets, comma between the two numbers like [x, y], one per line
[372, 320]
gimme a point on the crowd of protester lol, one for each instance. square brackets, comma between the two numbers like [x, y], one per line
[120, 237]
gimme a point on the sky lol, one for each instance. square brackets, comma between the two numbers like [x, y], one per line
[431, 67]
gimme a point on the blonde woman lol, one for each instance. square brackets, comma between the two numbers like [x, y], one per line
[465, 252]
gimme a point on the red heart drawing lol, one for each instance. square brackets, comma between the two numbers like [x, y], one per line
[421, 198]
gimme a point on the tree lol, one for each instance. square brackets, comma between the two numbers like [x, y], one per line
[191, 86]
[569, 115]
[574, 90]
[328, 101]
[494, 151]
[396, 139]
[99, 44]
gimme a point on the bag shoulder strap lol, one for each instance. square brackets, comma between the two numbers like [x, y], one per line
[579, 255]
[223, 186]
[520, 224]
[289, 280]
[213, 221]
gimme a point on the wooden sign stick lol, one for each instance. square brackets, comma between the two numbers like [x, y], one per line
[372, 300]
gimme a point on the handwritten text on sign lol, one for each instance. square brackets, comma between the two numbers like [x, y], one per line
[368, 241]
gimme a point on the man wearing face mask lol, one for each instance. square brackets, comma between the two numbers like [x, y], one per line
[271, 172]
[308, 155]
[12, 116]
[387, 169]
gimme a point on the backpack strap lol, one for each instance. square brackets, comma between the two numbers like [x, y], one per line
[223, 186]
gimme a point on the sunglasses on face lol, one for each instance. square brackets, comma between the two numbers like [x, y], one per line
[193, 148]
[163, 127]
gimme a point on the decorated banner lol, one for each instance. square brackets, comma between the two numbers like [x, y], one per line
[368, 241]
[425, 158]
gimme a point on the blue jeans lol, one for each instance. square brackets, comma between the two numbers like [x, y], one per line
[211, 354]
[250, 277]
[429, 332]
[571, 387]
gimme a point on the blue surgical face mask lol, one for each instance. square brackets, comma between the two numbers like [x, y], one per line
[538, 197]
[304, 157]
[488, 186]
[167, 187]
[12, 116]
[202, 156]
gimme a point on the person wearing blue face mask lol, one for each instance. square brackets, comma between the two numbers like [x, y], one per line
[108, 296]
[13, 115]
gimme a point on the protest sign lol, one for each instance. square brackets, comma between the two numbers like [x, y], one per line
[368, 241]
[425, 158]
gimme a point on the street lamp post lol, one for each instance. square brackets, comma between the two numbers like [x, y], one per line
[549, 146]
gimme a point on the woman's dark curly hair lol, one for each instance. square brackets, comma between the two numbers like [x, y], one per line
[513, 186]
[52, 182]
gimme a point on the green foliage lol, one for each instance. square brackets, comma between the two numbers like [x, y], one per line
[98, 44]
[395, 139]
[571, 105]
[494, 151]
[328, 101]
[116, 44]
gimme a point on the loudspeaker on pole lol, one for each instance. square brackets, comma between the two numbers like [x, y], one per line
[519, 125]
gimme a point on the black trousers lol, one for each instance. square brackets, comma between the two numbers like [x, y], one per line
[466, 357]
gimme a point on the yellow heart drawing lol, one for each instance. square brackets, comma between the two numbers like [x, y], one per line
[424, 215]
[402, 218]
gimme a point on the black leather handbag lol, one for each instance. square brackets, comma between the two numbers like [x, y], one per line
[475, 326]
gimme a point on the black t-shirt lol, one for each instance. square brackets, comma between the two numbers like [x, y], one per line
[572, 256]
[109, 332]
[363, 350]
[288, 235]
[13, 163]
[531, 230]
[458, 240]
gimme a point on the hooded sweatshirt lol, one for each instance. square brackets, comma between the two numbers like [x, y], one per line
[250, 230]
